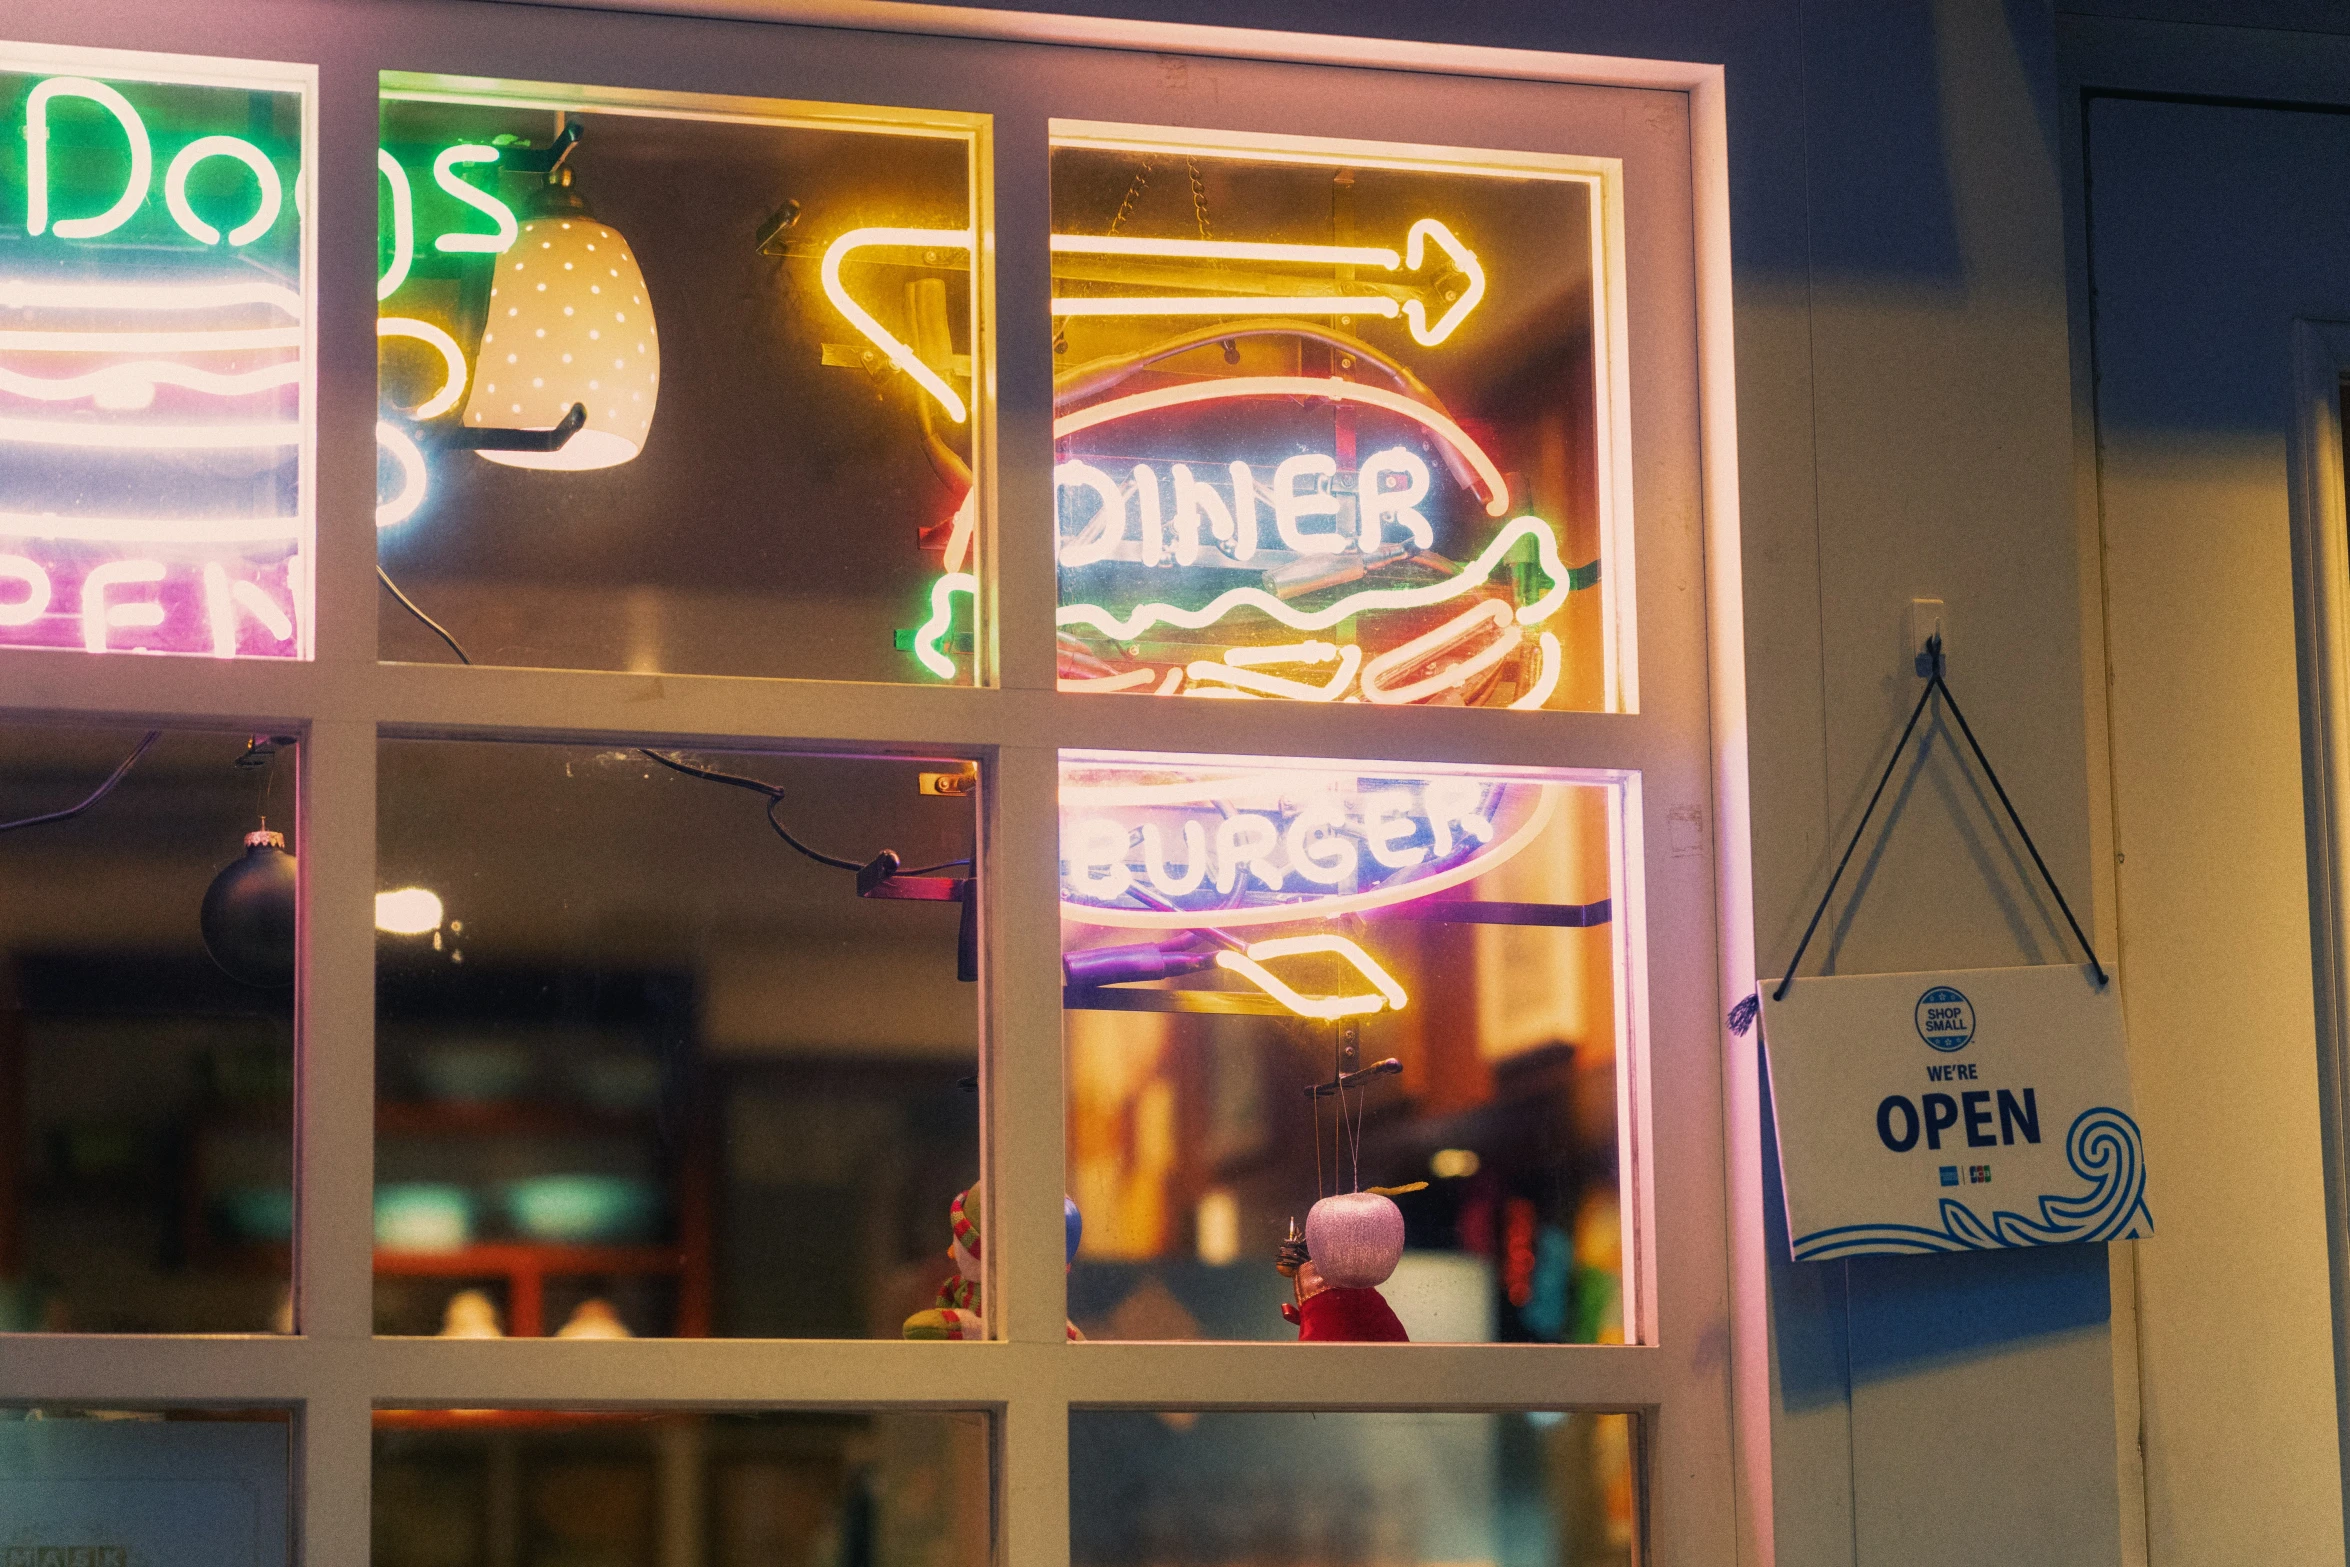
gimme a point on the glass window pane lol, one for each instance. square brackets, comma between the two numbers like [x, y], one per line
[482, 1487]
[155, 490]
[764, 315]
[644, 1069]
[1535, 1488]
[118, 1488]
[1377, 1005]
[146, 1032]
[1336, 421]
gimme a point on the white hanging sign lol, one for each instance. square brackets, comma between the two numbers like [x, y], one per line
[1966, 1110]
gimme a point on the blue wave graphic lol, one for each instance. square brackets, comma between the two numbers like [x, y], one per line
[2104, 1149]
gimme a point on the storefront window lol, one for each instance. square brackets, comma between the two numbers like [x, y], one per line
[155, 331]
[645, 1068]
[146, 1031]
[1537, 1488]
[116, 1487]
[685, 972]
[677, 385]
[1366, 1010]
[478, 1487]
[1335, 422]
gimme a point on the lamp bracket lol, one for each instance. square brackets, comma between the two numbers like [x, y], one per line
[521, 158]
[492, 439]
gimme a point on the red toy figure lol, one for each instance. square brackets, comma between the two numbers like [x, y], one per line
[1352, 1243]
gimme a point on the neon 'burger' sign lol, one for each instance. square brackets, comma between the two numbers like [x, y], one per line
[1154, 850]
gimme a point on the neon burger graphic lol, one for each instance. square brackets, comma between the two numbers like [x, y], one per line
[1312, 568]
[1328, 533]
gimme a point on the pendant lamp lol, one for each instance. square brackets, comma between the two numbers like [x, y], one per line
[570, 322]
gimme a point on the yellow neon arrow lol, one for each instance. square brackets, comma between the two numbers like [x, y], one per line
[878, 335]
[1464, 260]
[1415, 312]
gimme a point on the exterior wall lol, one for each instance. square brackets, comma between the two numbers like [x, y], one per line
[2209, 246]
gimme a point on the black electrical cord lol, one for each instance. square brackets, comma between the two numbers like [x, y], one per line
[430, 624]
[773, 793]
[97, 794]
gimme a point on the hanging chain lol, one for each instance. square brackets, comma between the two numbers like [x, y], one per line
[1199, 198]
[1142, 177]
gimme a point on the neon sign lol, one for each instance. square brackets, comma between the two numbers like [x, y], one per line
[1250, 965]
[898, 352]
[453, 242]
[1227, 510]
[1459, 299]
[153, 374]
[1307, 572]
[1229, 848]
[1227, 515]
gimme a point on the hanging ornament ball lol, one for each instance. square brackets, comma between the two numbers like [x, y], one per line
[1355, 1239]
[1072, 1227]
[248, 916]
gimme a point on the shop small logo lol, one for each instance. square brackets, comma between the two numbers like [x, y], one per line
[1977, 1174]
[1946, 1019]
[1950, 1175]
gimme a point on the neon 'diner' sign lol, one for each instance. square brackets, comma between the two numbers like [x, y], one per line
[1203, 553]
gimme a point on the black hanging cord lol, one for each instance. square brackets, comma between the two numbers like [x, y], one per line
[97, 794]
[1999, 789]
[1935, 683]
[773, 793]
[775, 798]
[430, 624]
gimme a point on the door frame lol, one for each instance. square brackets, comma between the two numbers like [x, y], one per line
[2321, 617]
[2237, 66]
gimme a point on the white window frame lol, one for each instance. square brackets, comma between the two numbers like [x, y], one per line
[1698, 1375]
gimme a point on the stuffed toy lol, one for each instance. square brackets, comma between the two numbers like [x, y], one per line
[956, 1315]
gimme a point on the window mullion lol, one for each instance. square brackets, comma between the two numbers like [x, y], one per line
[335, 1038]
[1032, 1482]
[1024, 579]
[334, 1474]
[1027, 1293]
[342, 202]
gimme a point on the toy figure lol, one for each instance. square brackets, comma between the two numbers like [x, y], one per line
[1351, 1245]
[957, 1314]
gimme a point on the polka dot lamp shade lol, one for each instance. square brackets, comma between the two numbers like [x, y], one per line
[569, 323]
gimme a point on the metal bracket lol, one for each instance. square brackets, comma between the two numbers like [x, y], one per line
[493, 439]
